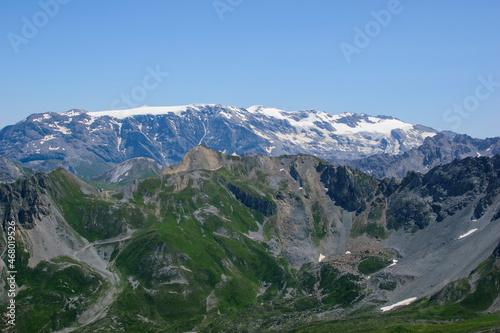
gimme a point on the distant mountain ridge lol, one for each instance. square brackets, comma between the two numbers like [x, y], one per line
[437, 150]
[130, 170]
[88, 143]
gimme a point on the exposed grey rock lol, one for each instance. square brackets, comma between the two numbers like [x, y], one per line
[10, 171]
[135, 168]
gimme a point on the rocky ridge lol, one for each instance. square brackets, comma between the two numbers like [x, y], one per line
[438, 150]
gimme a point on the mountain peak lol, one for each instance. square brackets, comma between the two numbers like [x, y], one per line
[199, 157]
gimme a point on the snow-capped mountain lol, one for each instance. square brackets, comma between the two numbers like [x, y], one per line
[89, 143]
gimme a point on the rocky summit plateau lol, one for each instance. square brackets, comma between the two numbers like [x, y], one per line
[224, 243]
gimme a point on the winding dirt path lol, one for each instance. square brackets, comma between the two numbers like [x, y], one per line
[89, 255]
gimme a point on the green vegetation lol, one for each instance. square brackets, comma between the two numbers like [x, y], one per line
[388, 285]
[54, 295]
[371, 229]
[102, 185]
[91, 216]
[320, 228]
[405, 321]
[372, 265]
[487, 289]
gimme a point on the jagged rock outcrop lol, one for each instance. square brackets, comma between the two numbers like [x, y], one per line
[349, 188]
[24, 201]
[446, 190]
[266, 207]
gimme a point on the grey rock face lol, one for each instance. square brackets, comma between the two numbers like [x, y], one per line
[10, 171]
[25, 201]
[130, 170]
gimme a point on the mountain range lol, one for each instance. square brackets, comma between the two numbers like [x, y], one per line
[223, 243]
[213, 218]
[89, 143]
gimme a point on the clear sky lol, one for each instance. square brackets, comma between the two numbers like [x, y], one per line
[435, 63]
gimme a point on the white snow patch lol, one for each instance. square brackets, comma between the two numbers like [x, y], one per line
[72, 113]
[270, 149]
[427, 134]
[321, 257]
[347, 252]
[381, 126]
[47, 138]
[402, 303]
[57, 148]
[468, 233]
[62, 129]
[394, 262]
[146, 110]
[89, 121]
[267, 111]
[44, 116]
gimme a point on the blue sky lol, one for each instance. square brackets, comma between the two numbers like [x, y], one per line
[435, 63]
